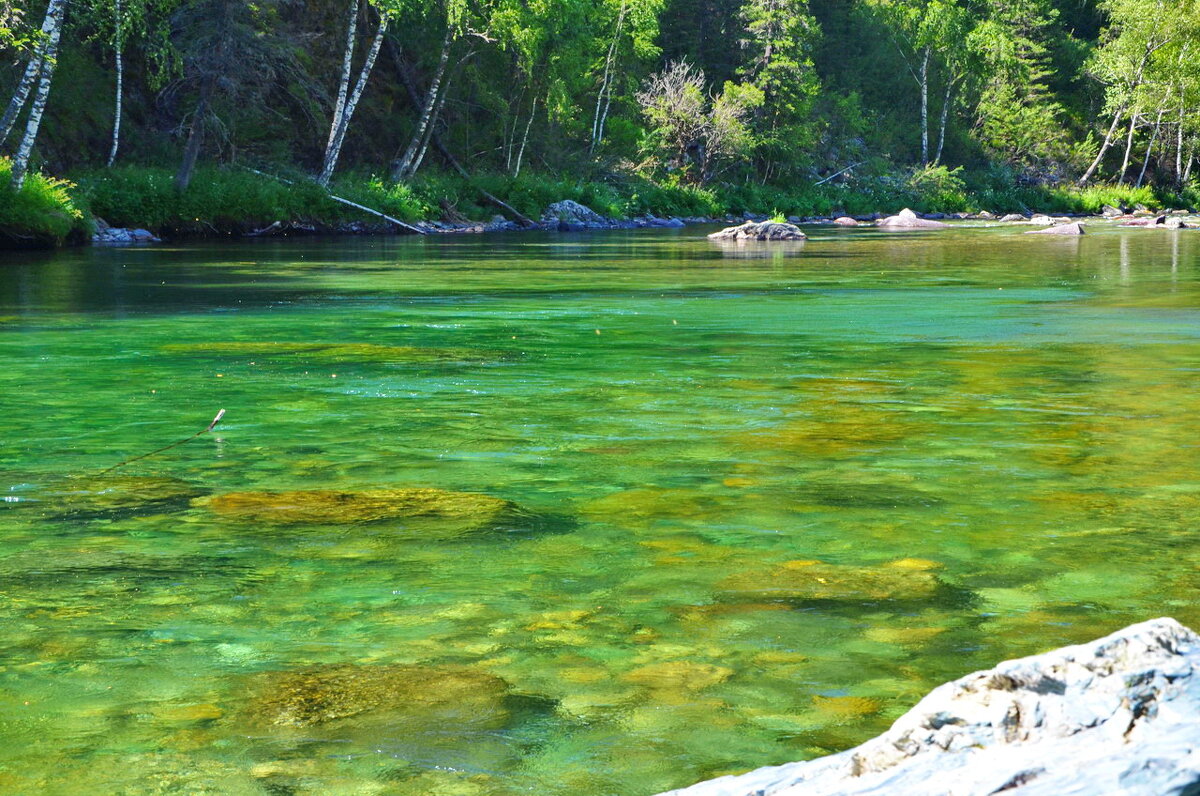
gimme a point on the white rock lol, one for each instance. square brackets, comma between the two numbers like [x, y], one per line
[760, 230]
[907, 219]
[1120, 715]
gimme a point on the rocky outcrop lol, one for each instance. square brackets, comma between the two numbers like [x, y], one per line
[760, 230]
[1074, 228]
[907, 219]
[845, 221]
[1117, 715]
[109, 236]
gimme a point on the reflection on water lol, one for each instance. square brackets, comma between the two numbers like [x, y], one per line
[572, 514]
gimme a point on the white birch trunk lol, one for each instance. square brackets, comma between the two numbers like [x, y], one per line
[1108, 138]
[605, 87]
[942, 127]
[1128, 145]
[20, 165]
[1179, 148]
[343, 89]
[21, 94]
[404, 167]
[525, 138]
[120, 64]
[343, 123]
[1149, 149]
[925, 108]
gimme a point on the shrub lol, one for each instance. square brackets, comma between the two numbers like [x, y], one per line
[43, 213]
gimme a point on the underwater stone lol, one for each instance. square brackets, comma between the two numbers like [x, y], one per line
[817, 581]
[1116, 715]
[430, 695]
[325, 506]
[332, 352]
[115, 494]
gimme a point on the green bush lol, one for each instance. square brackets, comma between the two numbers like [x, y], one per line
[43, 213]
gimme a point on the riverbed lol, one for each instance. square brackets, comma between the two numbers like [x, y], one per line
[752, 501]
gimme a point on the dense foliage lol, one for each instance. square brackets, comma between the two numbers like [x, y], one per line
[732, 96]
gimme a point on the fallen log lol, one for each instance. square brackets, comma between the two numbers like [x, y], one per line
[355, 205]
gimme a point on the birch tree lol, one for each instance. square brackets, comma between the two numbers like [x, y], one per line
[56, 12]
[29, 77]
[347, 99]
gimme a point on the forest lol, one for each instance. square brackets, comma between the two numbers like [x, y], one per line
[166, 113]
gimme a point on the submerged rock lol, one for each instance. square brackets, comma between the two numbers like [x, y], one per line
[907, 219]
[905, 580]
[459, 512]
[1117, 715]
[428, 695]
[760, 230]
[105, 495]
[330, 352]
[1074, 228]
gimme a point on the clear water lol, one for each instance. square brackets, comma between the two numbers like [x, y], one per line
[987, 441]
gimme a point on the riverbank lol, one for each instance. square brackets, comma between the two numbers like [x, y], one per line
[231, 202]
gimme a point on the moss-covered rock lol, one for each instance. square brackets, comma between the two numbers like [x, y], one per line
[332, 353]
[424, 695]
[816, 581]
[451, 512]
[107, 495]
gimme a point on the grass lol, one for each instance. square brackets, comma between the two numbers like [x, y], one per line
[43, 213]
[229, 200]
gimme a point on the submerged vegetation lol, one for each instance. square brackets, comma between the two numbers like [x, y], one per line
[172, 114]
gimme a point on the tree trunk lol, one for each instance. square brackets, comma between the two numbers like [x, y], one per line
[1128, 145]
[403, 167]
[525, 138]
[925, 108]
[20, 164]
[429, 129]
[605, 88]
[1149, 149]
[1179, 148]
[342, 121]
[942, 127]
[195, 136]
[120, 64]
[1108, 138]
[29, 77]
[327, 163]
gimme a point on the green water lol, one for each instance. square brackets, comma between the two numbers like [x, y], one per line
[985, 441]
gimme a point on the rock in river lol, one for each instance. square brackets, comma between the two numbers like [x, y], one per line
[1117, 715]
[461, 512]
[760, 230]
[907, 219]
[1075, 228]
[106, 495]
[906, 580]
[429, 696]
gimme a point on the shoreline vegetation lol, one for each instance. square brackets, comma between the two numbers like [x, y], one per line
[229, 202]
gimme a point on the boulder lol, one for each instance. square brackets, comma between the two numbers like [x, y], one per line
[1144, 222]
[804, 581]
[1074, 228]
[1041, 219]
[572, 214]
[442, 509]
[1117, 715]
[1174, 222]
[760, 230]
[845, 221]
[1011, 217]
[113, 495]
[434, 696]
[1108, 211]
[106, 235]
[907, 219]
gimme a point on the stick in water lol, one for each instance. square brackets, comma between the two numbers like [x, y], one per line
[211, 426]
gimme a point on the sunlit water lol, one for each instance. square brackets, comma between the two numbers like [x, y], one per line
[986, 441]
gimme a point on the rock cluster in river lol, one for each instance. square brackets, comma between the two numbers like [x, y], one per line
[760, 230]
[1117, 715]
[907, 219]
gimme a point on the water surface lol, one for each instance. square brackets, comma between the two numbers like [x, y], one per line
[776, 494]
